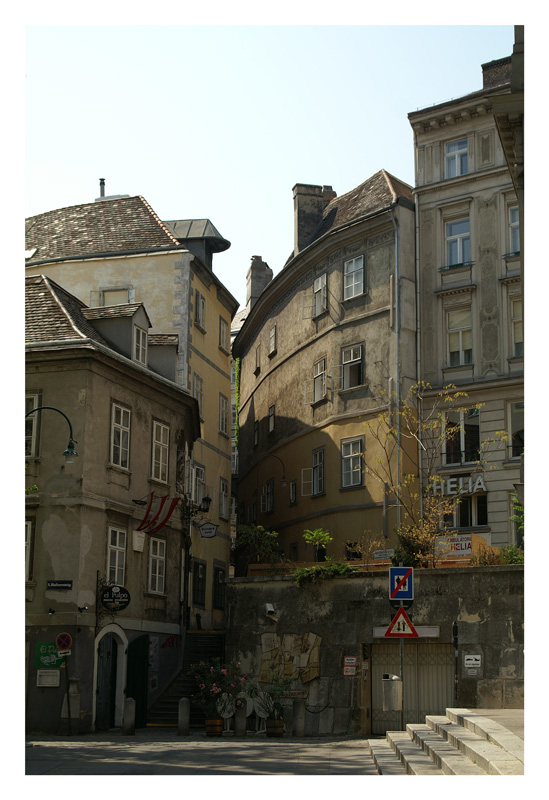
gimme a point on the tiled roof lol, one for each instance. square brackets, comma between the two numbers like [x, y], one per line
[52, 314]
[375, 194]
[110, 312]
[120, 225]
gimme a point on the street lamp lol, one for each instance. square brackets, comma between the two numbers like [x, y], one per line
[70, 452]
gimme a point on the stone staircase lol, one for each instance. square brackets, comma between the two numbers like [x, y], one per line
[460, 743]
[199, 646]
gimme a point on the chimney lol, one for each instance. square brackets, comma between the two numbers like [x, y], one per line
[101, 187]
[309, 204]
[495, 73]
[259, 275]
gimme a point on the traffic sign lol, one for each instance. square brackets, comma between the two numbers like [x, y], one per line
[63, 641]
[401, 627]
[401, 583]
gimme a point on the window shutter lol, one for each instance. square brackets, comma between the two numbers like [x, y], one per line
[307, 482]
[131, 295]
[308, 306]
[309, 391]
[337, 377]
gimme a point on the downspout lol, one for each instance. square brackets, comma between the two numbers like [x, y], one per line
[418, 336]
[397, 370]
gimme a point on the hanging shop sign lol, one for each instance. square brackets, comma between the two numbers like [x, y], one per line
[115, 598]
[208, 530]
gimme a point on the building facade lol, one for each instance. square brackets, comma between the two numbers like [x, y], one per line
[104, 568]
[470, 313]
[323, 347]
[117, 251]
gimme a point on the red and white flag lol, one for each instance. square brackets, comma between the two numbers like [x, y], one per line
[158, 513]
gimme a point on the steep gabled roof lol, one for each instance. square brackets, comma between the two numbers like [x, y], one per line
[53, 314]
[375, 194]
[116, 226]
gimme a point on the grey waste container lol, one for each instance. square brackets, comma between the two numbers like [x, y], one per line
[392, 692]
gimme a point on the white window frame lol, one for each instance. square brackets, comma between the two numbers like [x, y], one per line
[515, 310]
[459, 337]
[198, 392]
[514, 230]
[319, 380]
[197, 482]
[223, 334]
[320, 295]
[140, 345]
[116, 555]
[272, 419]
[257, 369]
[454, 165]
[352, 455]
[160, 451]
[234, 457]
[157, 565]
[123, 429]
[224, 498]
[319, 471]
[272, 340]
[293, 492]
[28, 550]
[223, 414]
[200, 310]
[464, 415]
[31, 426]
[256, 432]
[267, 497]
[515, 429]
[351, 367]
[458, 240]
[353, 277]
[471, 501]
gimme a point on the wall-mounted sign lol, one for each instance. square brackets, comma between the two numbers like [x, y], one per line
[457, 546]
[467, 484]
[115, 598]
[382, 555]
[63, 641]
[472, 662]
[56, 585]
[349, 670]
[350, 661]
[47, 656]
[208, 530]
[48, 677]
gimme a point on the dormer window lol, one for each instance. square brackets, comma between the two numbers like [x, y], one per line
[140, 345]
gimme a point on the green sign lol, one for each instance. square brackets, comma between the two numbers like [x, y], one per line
[46, 656]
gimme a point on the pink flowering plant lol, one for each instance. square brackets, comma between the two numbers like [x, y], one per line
[220, 687]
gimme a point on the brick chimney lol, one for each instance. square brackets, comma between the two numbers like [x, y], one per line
[496, 72]
[259, 275]
[309, 204]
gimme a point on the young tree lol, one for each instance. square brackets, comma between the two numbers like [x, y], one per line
[411, 440]
[320, 539]
[255, 543]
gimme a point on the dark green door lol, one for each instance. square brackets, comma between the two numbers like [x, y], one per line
[107, 651]
[138, 677]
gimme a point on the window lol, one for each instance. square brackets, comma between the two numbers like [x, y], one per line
[31, 426]
[28, 550]
[455, 158]
[197, 483]
[462, 436]
[470, 512]
[271, 419]
[351, 462]
[353, 277]
[514, 231]
[161, 443]
[257, 369]
[117, 297]
[320, 296]
[460, 337]
[516, 429]
[293, 492]
[272, 341]
[116, 556]
[318, 471]
[223, 498]
[319, 380]
[351, 358]
[200, 310]
[223, 414]
[157, 565]
[139, 345]
[256, 433]
[267, 497]
[516, 327]
[458, 243]
[219, 587]
[120, 436]
[198, 393]
[234, 457]
[199, 582]
[223, 334]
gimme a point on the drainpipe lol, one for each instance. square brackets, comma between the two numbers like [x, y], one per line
[418, 334]
[397, 371]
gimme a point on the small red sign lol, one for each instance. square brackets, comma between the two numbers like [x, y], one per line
[63, 641]
[401, 626]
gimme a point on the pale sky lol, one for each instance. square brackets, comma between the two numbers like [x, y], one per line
[221, 121]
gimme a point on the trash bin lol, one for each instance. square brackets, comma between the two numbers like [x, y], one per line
[392, 692]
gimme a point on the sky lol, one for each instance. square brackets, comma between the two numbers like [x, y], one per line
[221, 121]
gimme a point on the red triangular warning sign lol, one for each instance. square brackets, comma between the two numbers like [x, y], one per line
[401, 626]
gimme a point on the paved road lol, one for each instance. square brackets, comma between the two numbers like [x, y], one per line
[165, 753]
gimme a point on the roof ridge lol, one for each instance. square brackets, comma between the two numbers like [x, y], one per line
[155, 216]
[61, 305]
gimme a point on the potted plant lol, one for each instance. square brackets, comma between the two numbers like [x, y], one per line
[220, 688]
[267, 702]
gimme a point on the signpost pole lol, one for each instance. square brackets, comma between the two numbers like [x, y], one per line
[68, 694]
[402, 671]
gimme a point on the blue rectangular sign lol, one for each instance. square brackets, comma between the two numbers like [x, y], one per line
[401, 583]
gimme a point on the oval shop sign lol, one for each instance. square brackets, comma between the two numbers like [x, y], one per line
[115, 598]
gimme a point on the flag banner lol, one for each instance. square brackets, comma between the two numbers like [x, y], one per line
[158, 514]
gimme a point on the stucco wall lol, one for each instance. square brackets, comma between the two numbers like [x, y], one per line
[486, 602]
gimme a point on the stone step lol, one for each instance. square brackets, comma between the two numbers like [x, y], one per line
[493, 759]
[450, 760]
[385, 760]
[488, 729]
[411, 755]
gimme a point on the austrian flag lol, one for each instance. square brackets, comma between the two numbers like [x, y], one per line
[158, 513]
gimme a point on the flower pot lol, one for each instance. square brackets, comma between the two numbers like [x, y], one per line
[214, 727]
[274, 727]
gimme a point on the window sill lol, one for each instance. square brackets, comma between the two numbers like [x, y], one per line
[200, 328]
[350, 389]
[512, 463]
[272, 354]
[224, 434]
[351, 488]
[158, 482]
[157, 595]
[320, 402]
[461, 267]
[459, 469]
[224, 350]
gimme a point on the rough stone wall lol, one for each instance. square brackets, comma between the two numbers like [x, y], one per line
[338, 617]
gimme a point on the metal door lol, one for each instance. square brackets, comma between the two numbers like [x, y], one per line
[428, 681]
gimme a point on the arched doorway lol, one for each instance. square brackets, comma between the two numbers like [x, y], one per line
[110, 677]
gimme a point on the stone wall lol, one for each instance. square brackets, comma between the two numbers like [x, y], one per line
[312, 629]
